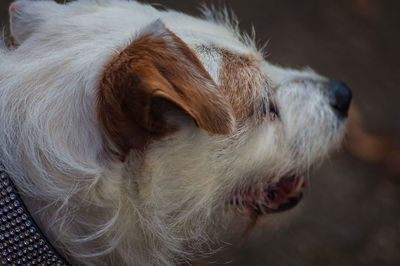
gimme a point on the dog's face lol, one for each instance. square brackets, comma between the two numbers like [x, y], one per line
[188, 120]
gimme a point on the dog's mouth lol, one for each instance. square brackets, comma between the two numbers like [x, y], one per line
[263, 198]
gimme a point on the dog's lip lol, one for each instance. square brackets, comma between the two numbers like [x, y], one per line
[267, 198]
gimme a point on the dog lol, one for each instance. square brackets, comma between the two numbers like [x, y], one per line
[134, 134]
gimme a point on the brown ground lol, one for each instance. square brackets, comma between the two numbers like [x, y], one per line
[351, 213]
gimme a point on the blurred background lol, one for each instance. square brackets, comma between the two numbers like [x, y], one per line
[351, 212]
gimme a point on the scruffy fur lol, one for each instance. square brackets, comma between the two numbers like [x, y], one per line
[114, 186]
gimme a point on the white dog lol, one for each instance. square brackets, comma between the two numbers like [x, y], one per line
[133, 133]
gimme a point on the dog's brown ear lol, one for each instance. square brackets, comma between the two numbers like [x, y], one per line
[158, 65]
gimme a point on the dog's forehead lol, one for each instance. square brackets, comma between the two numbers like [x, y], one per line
[243, 82]
[239, 76]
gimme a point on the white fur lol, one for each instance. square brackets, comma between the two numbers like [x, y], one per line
[160, 206]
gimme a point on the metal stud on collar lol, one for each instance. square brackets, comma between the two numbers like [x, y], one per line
[21, 242]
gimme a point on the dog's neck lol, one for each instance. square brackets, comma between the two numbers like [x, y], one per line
[21, 241]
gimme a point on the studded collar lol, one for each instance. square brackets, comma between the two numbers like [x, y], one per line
[21, 241]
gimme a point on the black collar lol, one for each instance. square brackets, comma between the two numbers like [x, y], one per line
[21, 241]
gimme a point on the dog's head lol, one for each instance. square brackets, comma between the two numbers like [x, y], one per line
[185, 115]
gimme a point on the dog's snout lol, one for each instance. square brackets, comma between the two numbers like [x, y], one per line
[339, 96]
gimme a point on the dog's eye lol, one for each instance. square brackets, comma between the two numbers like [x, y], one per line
[273, 110]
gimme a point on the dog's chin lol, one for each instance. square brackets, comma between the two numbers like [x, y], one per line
[266, 197]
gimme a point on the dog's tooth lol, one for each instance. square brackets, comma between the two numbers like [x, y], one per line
[300, 184]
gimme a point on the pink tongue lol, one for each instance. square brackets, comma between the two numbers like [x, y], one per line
[283, 195]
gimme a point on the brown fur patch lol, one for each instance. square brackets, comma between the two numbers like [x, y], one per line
[242, 82]
[157, 65]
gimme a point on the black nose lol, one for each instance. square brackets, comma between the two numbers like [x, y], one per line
[339, 96]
